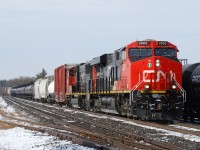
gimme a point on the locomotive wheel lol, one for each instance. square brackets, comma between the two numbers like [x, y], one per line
[185, 117]
[171, 122]
[192, 118]
[51, 102]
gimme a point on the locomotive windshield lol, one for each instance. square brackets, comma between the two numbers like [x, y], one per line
[165, 52]
[139, 53]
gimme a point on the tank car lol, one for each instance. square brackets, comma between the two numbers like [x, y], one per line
[51, 93]
[36, 90]
[191, 83]
[7, 90]
[43, 89]
[142, 79]
[13, 92]
[29, 91]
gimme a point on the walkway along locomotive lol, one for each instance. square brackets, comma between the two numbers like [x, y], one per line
[142, 79]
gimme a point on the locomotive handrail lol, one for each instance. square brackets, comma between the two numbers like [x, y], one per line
[136, 86]
[182, 90]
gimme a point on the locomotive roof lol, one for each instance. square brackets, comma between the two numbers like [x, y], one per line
[121, 49]
[148, 42]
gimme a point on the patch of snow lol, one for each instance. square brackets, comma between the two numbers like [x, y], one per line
[68, 110]
[21, 139]
[5, 107]
[184, 128]
[3, 103]
[110, 111]
[70, 121]
[190, 137]
[10, 109]
[92, 115]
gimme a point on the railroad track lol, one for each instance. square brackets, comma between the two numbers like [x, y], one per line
[96, 130]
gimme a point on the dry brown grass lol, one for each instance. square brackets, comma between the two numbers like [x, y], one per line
[5, 125]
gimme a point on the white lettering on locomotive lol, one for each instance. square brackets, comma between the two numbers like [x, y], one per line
[150, 74]
[196, 79]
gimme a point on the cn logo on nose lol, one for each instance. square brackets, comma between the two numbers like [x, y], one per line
[159, 74]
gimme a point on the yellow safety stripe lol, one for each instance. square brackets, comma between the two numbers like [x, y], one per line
[115, 92]
[103, 92]
[154, 92]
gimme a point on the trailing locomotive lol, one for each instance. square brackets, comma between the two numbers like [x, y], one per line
[191, 83]
[142, 79]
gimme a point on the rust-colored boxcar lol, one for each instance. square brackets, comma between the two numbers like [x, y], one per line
[64, 82]
[60, 81]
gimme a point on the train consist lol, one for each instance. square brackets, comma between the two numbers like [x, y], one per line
[191, 83]
[41, 90]
[142, 79]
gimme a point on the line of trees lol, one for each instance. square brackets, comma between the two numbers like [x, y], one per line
[21, 80]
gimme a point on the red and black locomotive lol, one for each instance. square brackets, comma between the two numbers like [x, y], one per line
[142, 79]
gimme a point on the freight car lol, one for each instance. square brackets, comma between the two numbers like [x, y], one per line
[40, 90]
[191, 83]
[142, 79]
[5, 90]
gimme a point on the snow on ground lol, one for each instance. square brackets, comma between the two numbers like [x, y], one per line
[92, 115]
[5, 107]
[21, 139]
[184, 128]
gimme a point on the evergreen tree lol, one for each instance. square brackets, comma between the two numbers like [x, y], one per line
[41, 74]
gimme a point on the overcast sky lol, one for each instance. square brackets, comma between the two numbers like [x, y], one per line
[36, 34]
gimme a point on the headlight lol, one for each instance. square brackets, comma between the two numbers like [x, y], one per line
[146, 86]
[157, 63]
[173, 86]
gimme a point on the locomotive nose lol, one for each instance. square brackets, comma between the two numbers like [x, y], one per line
[161, 76]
